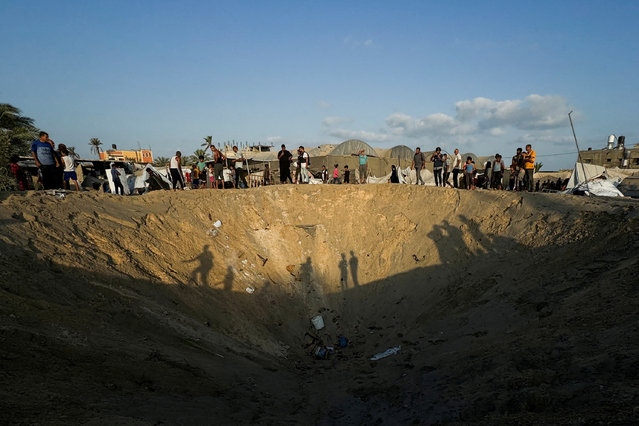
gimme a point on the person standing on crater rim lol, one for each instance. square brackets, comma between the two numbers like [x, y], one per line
[419, 161]
[363, 165]
[529, 168]
[45, 160]
[284, 157]
[176, 170]
[458, 165]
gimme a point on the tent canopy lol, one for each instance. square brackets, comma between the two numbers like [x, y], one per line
[402, 152]
[353, 146]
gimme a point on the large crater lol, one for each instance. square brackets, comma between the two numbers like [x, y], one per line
[508, 308]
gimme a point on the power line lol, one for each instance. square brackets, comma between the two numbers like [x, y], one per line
[553, 155]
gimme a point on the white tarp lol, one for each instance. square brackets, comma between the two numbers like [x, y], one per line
[140, 181]
[406, 176]
[594, 180]
[584, 172]
[127, 180]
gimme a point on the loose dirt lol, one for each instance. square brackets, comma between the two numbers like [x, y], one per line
[508, 307]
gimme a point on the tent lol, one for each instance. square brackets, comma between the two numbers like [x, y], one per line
[592, 179]
[353, 146]
[402, 152]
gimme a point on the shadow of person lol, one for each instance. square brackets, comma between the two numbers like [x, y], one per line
[205, 260]
[343, 272]
[353, 262]
[450, 243]
[228, 278]
[305, 272]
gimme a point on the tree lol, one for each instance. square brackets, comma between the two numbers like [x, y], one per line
[72, 152]
[538, 166]
[16, 133]
[203, 153]
[95, 146]
[161, 161]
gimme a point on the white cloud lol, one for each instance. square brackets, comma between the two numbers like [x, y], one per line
[484, 115]
[323, 104]
[334, 121]
[350, 41]
[366, 136]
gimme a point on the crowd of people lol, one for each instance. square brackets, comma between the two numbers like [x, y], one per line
[57, 170]
[521, 170]
[56, 167]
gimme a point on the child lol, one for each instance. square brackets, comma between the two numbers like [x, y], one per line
[195, 176]
[336, 179]
[347, 174]
[324, 174]
[469, 170]
[267, 174]
[18, 173]
[69, 168]
[211, 175]
[116, 180]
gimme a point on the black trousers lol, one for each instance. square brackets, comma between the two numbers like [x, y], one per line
[438, 177]
[176, 177]
[455, 176]
[118, 185]
[285, 173]
[49, 177]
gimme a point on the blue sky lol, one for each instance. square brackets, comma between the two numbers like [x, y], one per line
[482, 76]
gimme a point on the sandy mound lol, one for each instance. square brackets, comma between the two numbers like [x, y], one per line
[509, 308]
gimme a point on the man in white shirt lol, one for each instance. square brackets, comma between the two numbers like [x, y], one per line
[457, 167]
[304, 161]
[175, 168]
[238, 164]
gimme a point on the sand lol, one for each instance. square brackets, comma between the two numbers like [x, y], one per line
[508, 307]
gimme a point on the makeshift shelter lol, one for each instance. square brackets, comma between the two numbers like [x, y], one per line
[353, 146]
[592, 179]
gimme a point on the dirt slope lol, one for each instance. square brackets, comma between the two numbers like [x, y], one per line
[509, 308]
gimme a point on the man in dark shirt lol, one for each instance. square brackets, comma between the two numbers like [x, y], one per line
[284, 158]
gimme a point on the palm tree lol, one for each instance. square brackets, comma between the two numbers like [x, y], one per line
[72, 152]
[95, 145]
[208, 141]
[203, 153]
[160, 161]
[538, 166]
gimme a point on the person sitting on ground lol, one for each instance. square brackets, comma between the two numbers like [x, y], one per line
[115, 174]
[394, 178]
[347, 174]
[70, 176]
[336, 179]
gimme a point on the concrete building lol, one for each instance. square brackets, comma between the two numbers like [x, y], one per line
[138, 156]
[620, 155]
